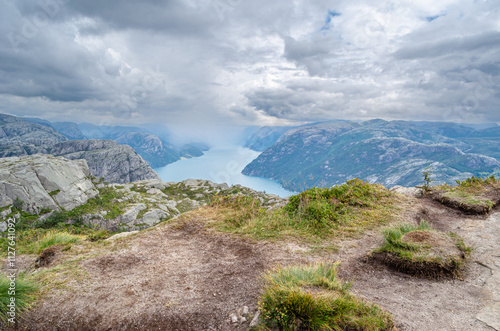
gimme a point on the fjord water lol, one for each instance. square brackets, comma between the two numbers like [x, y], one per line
[221, 165]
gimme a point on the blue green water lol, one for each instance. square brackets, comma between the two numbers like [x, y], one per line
[221, 165]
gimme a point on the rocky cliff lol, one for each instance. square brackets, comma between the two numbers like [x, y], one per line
[44, 182]
[107, 159]
[154, 149]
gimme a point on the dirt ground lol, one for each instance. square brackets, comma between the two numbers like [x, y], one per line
[191, 278]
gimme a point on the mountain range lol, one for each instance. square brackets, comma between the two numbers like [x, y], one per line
[390, 153]
[158, 152]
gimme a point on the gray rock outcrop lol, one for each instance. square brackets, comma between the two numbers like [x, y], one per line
[106, 158]
[45, 182]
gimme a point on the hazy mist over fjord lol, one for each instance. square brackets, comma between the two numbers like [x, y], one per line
[203, 66]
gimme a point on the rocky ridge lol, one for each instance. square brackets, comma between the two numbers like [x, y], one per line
[19, 137]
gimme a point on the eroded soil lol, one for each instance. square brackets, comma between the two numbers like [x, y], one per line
[191, 278]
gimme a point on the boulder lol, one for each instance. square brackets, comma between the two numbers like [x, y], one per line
[107, 159]
[413, 192]
[45, 182]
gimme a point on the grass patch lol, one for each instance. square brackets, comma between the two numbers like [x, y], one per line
[314, 298]
[25, 238]
[473, 195]
[422, 251]
[54, 193]
[52, 238]
[313, 215]
[470, 199]
[25, 293]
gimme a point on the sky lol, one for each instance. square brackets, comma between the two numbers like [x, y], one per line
[212, 63]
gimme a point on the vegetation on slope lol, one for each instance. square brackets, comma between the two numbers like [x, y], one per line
[315, 215]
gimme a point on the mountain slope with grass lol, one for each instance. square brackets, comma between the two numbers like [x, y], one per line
[390, 153]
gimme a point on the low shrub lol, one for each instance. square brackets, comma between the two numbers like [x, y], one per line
[326, 206]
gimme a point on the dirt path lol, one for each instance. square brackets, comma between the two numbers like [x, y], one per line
[190, 278]
[424, 304]
[167, 279]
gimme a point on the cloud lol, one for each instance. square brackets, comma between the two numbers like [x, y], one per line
[231, 62]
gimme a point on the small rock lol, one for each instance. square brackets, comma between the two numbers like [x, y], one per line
[121, 235]
[256, 320]
[3, 226]
[234, 318]
[413, 192]
[6, 212]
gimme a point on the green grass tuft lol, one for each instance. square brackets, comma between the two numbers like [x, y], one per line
[314, 298]
[25, 292]
[394, 244]
[426, 252]
[52, 238]
[324, 206]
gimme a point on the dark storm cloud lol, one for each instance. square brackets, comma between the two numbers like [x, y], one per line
[249, 62]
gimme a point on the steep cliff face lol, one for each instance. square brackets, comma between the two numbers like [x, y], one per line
[391, 153]
[266, 137]
[45, 182]
[106, 158]
[19, 137]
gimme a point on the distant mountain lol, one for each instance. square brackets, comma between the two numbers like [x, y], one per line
[158, 152]
[19, 137]
[105, 158]
[391, 153]
[70, 130]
